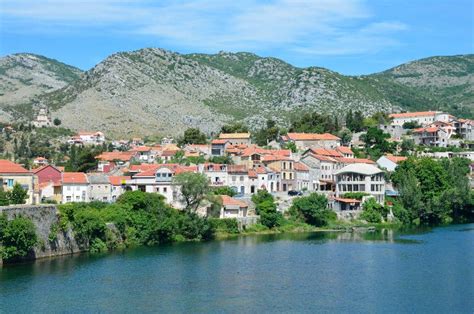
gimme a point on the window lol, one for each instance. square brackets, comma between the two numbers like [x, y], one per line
[10, 183]
[241, 178]
[165, 190]
[68, 198]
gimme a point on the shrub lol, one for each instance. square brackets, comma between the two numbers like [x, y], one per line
[18, 237]
[228, 225]
[312, 209]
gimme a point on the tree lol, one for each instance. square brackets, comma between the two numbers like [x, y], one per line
[18, 238]
[193, 136]
[56, 122]
[18, 195]
[373, 211]
[314, 123]
[224, 190]
[262, 196]
[194, 188]
[312, 209]
[346, 137]
[4, 197]
[376, 142]
[237, 127]
[269, 216]
[407, 146]
[269, 133]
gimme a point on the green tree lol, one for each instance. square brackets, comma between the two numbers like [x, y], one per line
[224, 190]
[18, 195]
[312, 209]
[269, 216]
[262, 196]
[407, 146]
[4, 197]
[194, 188]
[193, 136]
[56, 122]
[18, 238]
[237, 127]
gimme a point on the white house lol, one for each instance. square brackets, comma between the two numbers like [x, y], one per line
[232, 208]
[423, 118]
[75, 187]
[358, 178]
[390, 162]
[100, 188]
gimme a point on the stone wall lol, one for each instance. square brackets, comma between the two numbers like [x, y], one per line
[44, 217]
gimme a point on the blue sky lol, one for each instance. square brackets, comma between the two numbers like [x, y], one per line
[348, 36]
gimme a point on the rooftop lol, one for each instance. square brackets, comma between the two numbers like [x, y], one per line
[364, 169]
[7, 166]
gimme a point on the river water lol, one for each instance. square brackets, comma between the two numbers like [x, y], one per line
[382, 272]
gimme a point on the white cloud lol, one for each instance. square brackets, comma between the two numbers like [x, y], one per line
[302, 26]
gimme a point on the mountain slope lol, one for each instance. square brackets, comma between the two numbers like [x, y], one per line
[24, 76]
[156, 91]
[445, 83]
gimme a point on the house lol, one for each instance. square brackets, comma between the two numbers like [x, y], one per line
[39, 161]
[267, 179]
[160, 180]
[302, 176]
[284, 166]
[311, 140]
[50, 191]
[422, 118]
[88, 138]
[232, 208]
[465, 129]
[396, 131]
[218, 147]
[236, 138]
[75, 187]
[217, 173]
[12, 173]
[100, 188]
[390, 162]
[363, 178]
[118, 184]
[436, 134]
[50, 183]
[144, 154]
[238, 179]
[111, 160]
[42, 119]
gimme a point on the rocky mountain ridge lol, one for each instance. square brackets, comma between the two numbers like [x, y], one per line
[155, 91]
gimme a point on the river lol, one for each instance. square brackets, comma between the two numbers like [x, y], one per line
[416, 272]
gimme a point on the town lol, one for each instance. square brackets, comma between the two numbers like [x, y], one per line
[348, 170]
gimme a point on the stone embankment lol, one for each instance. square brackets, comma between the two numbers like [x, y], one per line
[52, 241]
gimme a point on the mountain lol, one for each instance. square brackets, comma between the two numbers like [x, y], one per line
[444, 83]
[154, 91]
[24, 76]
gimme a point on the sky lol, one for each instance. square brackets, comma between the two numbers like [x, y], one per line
[349, 36]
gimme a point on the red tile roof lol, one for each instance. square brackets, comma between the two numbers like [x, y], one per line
[345, 150]
[311, 137]
[111, 156]
[299, 166]
[234, 136]
[74, 178]
[395, 159]
[218, 141]
[347, 200]
[412, 114]
[6, 166]
[230, 201]
[118, 180]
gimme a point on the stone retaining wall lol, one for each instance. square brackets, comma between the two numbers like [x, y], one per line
[44, 217]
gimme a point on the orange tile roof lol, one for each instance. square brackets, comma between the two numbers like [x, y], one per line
[311, 137]
[39, 169]
[429, 130]
[234, 136]
[6, 166]
[111, 156]
[140, 149]
[299, 166]
[326, 152]
[412, 114]
[252, 173]
[322, 158]
[354, 160]
[74, 178]
[396, 159]
[118, 180]
[344, 150]
[218, 141]
[230, 201]
[143, 167]
[347, 200]
[237, 168]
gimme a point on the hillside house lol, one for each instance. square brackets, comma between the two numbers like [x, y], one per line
[12, 173]
[236, 138]
[305, 141]
[75, 187]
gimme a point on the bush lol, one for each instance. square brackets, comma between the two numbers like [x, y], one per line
[312, 209]
[371, 216]
[18, 237]
[228, 225]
